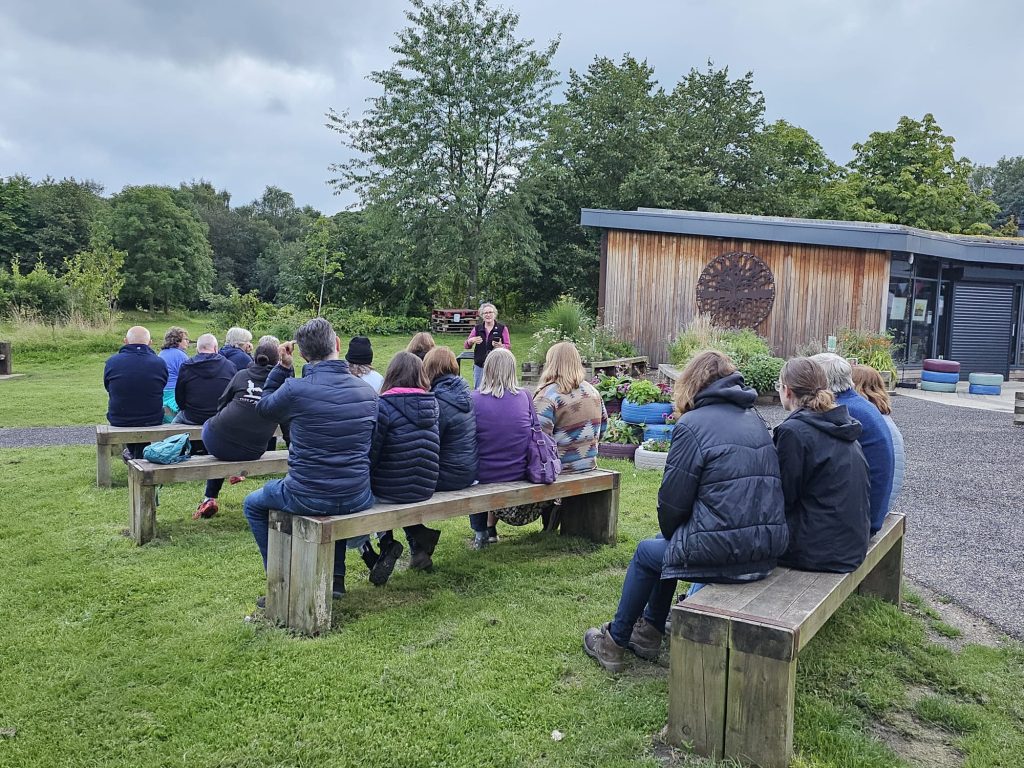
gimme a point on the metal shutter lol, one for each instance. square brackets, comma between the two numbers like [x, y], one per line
[982, 320]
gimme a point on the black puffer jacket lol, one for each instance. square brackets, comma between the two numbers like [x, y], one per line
[201, 381]
[827, 488]
[456, 426]
[331, 416]
[720, 502]
[404, 456]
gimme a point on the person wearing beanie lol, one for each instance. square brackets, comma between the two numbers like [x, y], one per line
[360, 359]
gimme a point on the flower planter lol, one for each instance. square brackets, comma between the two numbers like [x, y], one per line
[616, 451]
[645, 459]
[613, 406]
[652, 413]
[658, 431]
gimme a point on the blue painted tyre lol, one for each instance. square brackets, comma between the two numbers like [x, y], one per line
[652, 413]
[659, 431]
[938, 386]
[984, 389]
[940, 378]
[986, 379]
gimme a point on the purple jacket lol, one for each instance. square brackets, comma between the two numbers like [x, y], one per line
[502, 435]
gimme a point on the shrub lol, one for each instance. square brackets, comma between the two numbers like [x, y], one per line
[762, 372]
[750, 352]
[611, 387]
[568, 320]
[874, 349]
[657, 446]
[39, 295]
[644, 392]
[359, 322]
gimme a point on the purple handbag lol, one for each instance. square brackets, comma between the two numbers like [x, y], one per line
[542, 462]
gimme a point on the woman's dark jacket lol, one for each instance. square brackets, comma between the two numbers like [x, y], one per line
[201, 381]
[404, 453]
[456, 426]
[827, 488]
[237, 356]
[483, 349]
[720, 502]
[236, 426]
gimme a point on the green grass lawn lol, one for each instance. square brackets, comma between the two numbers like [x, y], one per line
[115, 655]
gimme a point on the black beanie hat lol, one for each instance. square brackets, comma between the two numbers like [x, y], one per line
[359, 351]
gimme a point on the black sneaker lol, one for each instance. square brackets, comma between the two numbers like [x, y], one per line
[390, 551]
[338, 588]
[368, 554]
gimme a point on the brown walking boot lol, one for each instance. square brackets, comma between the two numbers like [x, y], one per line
[646, 640]
[598, 644]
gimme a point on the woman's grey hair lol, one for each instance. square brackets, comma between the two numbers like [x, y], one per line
[499, 374]
[268, 337]
[838, 371]
[236, 336]
[316, 339]
[487, 305]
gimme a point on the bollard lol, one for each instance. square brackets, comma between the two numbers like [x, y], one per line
[1018, 409]
[5, 358]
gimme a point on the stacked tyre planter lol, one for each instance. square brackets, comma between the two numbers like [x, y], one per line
[940, 375]
[616, 451]
[652, 417]
[985, 384]
[649, 459]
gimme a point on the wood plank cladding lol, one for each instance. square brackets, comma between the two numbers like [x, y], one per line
[649, 287]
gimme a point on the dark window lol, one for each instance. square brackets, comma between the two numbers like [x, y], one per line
[925, 266]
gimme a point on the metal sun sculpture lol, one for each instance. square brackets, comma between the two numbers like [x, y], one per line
[737, 289]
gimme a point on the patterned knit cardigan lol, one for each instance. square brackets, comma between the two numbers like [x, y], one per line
[577, 421]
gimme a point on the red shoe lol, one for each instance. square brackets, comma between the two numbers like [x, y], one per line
[236, 479]
[207, 509]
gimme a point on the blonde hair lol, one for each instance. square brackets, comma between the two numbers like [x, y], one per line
[499, 374]
[563, 367]
[438, 362]
[703, 369]
[420, 344]
[868, 382]
[807, 380]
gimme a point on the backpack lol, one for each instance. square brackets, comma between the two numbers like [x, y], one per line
[170, 451]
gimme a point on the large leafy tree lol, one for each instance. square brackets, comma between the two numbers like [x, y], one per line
[169, 261]
[63, 213]
[448, 139]
[912, 175]
[15, 218]
[1006, 181]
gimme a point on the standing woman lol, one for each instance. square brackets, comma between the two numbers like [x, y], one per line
[825, 477]
[720, 509]
[868, 382]
[173, 353]
[487, 336]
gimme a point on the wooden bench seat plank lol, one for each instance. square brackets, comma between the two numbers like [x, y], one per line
[208, 467]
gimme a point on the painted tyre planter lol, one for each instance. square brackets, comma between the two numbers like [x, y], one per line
[986, 379]
[651, 413]
[645, 459]
[985, 389]
[613, 406]
[937, 386]
[941, 366]
[937, 377]
[616, 451]
[658, 431]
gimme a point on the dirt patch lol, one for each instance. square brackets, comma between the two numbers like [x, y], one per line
[919, 744]
[974, 630]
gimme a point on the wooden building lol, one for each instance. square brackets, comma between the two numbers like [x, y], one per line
[799, 280]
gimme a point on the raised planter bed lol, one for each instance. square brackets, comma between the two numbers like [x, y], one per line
[651, 413]
[635, 367]
[658, 431]
[645, 459]
[616, 451]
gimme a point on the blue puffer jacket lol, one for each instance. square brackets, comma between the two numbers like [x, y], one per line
[456, 426]
[876, 441]
[404, 457]
[720, 502]
[899, 456]
[237, 356]
[331, 416]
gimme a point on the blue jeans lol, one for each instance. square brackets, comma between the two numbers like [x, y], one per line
[274, 495]
[478, 375]
[644, 591]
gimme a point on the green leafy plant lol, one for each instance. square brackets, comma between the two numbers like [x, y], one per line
[762, 372]
[620, 432]
[750, 352]
[644, 392]
[611, 387]
[657, 446]
[873, 349]
[569, 320]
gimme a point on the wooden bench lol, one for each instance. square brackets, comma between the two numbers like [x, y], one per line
[734, 650]
[110, 441]
[300, 557]
[144, 477]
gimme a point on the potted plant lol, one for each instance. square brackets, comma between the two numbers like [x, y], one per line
[647, 403]
[652, 454]
[661, 431]
[611, 389]
[620, 440]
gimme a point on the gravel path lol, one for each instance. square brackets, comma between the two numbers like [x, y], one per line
[963, 497]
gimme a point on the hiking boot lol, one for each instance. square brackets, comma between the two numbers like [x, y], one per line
[480, 540]
[368, 554]
[646, 640]
[492, 535]
[206, 509]
[236, 479]
[421, 561]
[338, 589]
[598, 644]
[426, 540]
[390, 551]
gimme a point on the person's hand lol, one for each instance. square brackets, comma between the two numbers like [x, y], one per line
[474, 340]
[247, 347]
[284, 353]
[497, 344]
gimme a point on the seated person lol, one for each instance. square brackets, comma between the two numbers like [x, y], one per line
[237, 432]
[824, 474]
[174, 352]
[720, 509]
[869, 385]
[237, 348]
[420, 344]
[201, 381]
[404, 460]
[135, 378]
[456, 424]
[360, 362]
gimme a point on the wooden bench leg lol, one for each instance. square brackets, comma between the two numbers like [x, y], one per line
[311, 581]
[594, 516]
[279, 560]
[103, 454]
[886, 577]
[697, 683]
[142, 509]
[759, 710]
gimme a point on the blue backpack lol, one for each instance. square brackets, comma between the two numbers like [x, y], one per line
[170, 451]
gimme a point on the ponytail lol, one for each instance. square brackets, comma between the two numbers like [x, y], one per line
[806, 380]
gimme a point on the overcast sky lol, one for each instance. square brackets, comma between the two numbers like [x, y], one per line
[149, 91]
